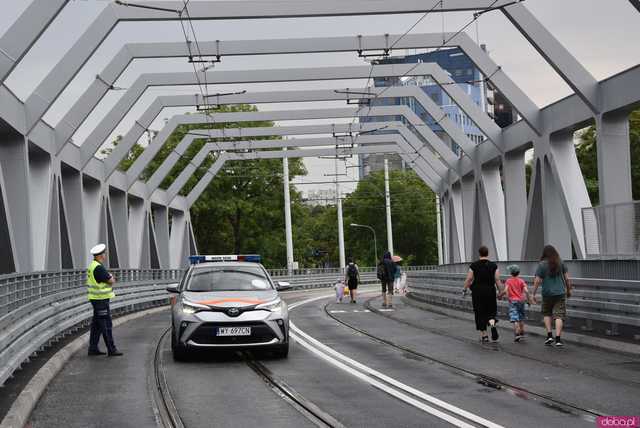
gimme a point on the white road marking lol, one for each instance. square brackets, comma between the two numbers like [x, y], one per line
[386, 310]
[337, 312]
[368, 375]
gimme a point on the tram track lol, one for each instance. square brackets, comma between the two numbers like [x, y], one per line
[167, 410]
[169, 416]
[581, 371]
[480, 378]
[312, 412]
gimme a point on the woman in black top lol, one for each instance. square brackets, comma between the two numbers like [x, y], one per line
[482, 279]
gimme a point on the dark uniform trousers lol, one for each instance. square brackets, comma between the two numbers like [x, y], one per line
[101, 325]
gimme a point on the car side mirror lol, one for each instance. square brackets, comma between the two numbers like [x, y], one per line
[282, 286]
[173, 288]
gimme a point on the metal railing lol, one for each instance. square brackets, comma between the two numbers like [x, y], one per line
[626, 269]
[604, 306]
[17, 290]
[39, 307]
[36, 308]
[612, 231]
[338, 271]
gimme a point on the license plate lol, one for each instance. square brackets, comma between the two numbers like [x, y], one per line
[233, 331]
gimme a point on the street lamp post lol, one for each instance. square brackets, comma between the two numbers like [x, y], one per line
[375, 241]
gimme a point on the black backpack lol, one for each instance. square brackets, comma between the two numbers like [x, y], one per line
[381, 272]
[352, 272]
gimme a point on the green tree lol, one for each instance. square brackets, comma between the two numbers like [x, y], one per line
[413, 215]
[242, 209]
[587, 150]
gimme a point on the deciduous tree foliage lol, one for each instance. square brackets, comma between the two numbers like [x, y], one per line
[413, 214]
[588, 159]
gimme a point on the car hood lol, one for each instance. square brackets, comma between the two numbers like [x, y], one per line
[227, 299]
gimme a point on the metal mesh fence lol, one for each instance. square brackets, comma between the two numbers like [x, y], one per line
[612, 231]
[17, 290]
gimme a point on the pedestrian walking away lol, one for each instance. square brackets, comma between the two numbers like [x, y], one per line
[553, 277]
[482, 279]
[386, 274]
[517, 294]
[339, 286]
[100, 291]
[397, 275]
[352, 279]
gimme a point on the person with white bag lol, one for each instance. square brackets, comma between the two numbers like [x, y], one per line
[397, 277]
[339, 286]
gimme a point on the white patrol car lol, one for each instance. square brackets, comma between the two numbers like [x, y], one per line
[228, 302]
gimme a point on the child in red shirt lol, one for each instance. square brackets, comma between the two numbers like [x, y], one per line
[517, 293]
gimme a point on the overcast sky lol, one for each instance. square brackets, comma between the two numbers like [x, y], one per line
[602, 35]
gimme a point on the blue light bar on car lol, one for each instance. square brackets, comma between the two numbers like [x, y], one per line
[253, 258]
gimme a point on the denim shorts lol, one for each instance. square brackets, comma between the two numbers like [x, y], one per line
[516, 311]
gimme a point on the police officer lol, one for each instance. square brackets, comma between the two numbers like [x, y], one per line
[99, 283]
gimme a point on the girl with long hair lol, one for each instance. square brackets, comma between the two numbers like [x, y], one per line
[553, 276]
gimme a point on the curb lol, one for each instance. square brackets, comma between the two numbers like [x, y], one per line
[581, 339]
[22, 407]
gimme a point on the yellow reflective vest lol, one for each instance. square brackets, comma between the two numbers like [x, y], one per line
[97, 290]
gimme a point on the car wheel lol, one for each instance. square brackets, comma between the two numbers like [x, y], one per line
[178, 351]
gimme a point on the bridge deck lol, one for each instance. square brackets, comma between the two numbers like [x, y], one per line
[433, 353]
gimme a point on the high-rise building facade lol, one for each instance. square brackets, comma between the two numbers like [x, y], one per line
[462, 71]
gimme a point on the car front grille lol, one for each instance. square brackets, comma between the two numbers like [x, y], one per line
[206, 334]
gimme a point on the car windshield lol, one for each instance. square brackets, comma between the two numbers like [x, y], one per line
[228, 278]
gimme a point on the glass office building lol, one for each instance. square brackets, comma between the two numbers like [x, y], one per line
[462, 71]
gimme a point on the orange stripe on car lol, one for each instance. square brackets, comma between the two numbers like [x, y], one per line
[229, 300]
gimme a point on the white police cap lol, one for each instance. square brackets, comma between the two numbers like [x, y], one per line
[98, 249]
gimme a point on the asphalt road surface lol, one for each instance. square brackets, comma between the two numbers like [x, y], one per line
[361, 366]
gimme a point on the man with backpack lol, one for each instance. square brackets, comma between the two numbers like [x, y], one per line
[352, 278]
[386, 274]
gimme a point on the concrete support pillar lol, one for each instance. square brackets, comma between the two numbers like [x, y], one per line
[534, 238]
[138, 232]
[556, 227]
[91, 203]
[287, 214]
[119, 211]
[14, 163]
[468, 188]
[341, 255]
[72, 200]
[438, 229]
[52, 257]
[614, 158]
[387, 201]
[178, 240]
[42, 208]
[570, 185]
[495, 206]
[457, 224]
[161, 228]
[515, 193]
[444, 205]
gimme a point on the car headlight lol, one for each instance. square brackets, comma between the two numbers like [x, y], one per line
[273, 306]
[192, 308]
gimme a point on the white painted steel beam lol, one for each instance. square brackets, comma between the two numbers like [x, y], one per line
[185, 175]
[435, 144]
[487, 126]
[566, 65]
[104, 81]
[195, 193]
[128, 100]
[25, 31]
